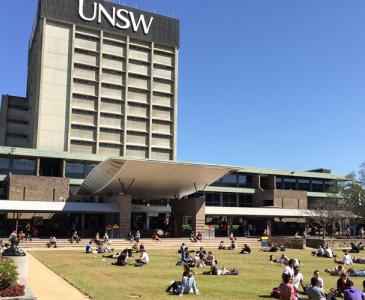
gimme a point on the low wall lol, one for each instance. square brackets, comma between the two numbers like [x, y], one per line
[332, 243]
[289, 242]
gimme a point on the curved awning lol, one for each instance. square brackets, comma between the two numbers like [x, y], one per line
[150, 179]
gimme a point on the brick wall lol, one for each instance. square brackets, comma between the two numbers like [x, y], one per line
[195, 208]
[38, 188]
[290, 199]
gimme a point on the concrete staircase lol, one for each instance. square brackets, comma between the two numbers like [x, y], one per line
[165, 243]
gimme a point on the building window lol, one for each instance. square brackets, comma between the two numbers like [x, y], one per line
[217, 183]
[230, 180]
[244, 180]
[304, 184]
[279, 183]
[4, 165]
[317, 186]
[328, 184]
[23, 166]
[290, 183]
[75, 170]
[229, 199]
[213, 199]
[89, 167]
[244, 200]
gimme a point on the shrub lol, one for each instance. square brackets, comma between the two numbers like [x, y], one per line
[187, 228]
[13, 291]
[8, 273]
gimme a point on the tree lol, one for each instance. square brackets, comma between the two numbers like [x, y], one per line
[345, 204]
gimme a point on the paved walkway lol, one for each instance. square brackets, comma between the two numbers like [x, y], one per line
[47, 285]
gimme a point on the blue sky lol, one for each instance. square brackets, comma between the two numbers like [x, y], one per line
[276, 84]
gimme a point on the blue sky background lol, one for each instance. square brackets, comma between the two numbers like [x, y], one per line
[276, 84]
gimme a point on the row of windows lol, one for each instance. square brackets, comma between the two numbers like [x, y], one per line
[27, 166]
[18, 166]
[303, 184]
[79, 169]
[234, 180]
[228, 199]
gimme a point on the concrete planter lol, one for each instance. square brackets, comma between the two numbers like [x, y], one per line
[21, 263]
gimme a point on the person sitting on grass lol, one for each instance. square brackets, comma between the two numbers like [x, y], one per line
[246, 249]
[286, 288]
[200, 258]
[89, 247]
[341, 285]
[356, 248]
[210, 258]
[221, 246]
[273, 248]
[328, 252]
[102, 247]
[320, 251]
[188, 285]
[121, 258]
[176, 285]
[155, 237]
[282, 260]
[315, 292]
[316, 274]
[183, 248]
[233, 245]
[187, 259]
[298, 279]
[352, 293]
[143, 259]
[336, 271]
[142, 248]
[289, 269]
[135, 247]
[346, 260]
[52, 242]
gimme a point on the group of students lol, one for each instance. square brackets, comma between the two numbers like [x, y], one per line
[122, 258]
[245, 249]
[202, 258]
[292, 278]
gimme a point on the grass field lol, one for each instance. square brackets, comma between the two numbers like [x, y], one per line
[101, 280]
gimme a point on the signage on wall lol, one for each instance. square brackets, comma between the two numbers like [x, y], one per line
[117, 17]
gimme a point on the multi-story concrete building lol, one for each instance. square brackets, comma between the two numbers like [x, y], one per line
[94, 140]
[94, 90]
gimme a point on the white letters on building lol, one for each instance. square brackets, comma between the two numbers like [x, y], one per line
[120, 18]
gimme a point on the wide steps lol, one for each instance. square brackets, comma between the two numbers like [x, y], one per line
[165, 243]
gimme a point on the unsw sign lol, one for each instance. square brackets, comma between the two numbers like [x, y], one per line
[113, 18]
[118, 17]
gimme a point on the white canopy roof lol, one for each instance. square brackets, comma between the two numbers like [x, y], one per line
[150, 179]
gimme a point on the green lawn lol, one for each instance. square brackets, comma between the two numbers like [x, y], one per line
[99, 279]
